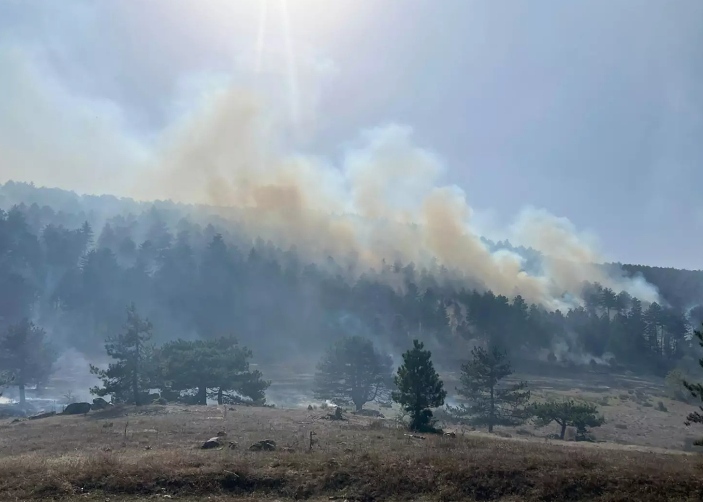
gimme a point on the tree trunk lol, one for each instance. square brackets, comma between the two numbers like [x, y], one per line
[219, 395]
[135, 376]
[22, 395]
[563, 431]
[201, 396]
[359, 406]
[135, 389]
[491, 417]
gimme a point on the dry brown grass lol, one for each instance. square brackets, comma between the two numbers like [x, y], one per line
[69, 457]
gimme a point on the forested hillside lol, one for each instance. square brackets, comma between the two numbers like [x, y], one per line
[72, 264]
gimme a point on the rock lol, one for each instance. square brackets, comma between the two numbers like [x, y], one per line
[42, 415]
[232, 445]
[450, 434]
[265, 445]
[100, 404]
[221, 434]
[211, 443]
[77, 409]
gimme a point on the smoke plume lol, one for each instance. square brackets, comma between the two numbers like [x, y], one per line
[382, 201]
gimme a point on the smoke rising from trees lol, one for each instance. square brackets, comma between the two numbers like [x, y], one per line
[384, 201]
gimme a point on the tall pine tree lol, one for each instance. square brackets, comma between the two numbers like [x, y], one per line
[26, 355]
[488, 402]
[419, 387]
[696, 390]
[132, 374]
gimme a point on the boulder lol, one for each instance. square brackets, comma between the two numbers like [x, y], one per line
[100, 404]
[211, 443]
[264, 445]
[77, 409]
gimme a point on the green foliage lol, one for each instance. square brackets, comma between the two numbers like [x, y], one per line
[488, 402]
[218, 368]
[419, 387]
[6, 378]
[353, 371]
[696, 390]
[568, 413]
[26, 355]
[133, 373]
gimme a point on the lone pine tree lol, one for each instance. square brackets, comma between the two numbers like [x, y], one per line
[352, 370]
[26, 357]
[216, 368]
[419, 387]
[488, 402]
[132, 373]
[567, 414]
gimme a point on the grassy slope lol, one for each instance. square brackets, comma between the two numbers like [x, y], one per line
[362, 459]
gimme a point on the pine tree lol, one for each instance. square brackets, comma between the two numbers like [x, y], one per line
[352, 370]
[567, 414]
[26, 355]
[419, 387]
[217, 368]
[6, 378]
[132, 374]
[489, 402]
[696, 390]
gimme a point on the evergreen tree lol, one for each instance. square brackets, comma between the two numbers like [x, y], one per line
[132, 374]
[696, 390]
[6, 378]
[352, 370]
[419, 387]
[488, 402]
[26, 355]
[567, 414]
[217, 368]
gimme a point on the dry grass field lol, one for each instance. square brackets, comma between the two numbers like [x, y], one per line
[153, 452]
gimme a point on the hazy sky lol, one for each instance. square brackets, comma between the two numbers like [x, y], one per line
[592, 110]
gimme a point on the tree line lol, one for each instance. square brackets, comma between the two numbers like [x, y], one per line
[351, 371]
[195, 280]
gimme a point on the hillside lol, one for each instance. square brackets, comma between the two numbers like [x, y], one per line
[154, 452]
[75, 262]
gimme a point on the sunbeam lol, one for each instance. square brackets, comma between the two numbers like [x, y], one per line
[260, 35]
[290, 63]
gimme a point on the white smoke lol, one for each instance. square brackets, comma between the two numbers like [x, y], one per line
[385, 200]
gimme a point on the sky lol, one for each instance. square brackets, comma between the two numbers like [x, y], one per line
[591, 110]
